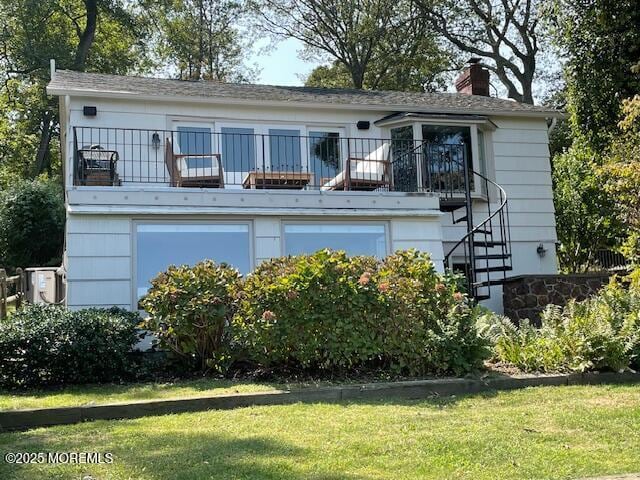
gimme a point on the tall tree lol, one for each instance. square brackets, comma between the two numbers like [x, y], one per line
[601, 42]
[585, 219]
[96, 35]
[505, 33]
[203, 39]
[621, 171]
[418, 65]
[364, 39]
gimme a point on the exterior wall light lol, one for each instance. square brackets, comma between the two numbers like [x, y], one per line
[541, 250]
[155, 140]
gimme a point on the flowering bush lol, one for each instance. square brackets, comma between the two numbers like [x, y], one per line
[190, 309]
[328, 311]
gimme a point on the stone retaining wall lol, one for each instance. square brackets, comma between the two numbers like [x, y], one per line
[526, 296]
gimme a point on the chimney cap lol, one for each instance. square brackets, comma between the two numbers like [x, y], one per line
[474, 60]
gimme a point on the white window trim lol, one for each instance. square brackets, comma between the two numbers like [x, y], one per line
[172, 221]
[475, 151]
[342, 136]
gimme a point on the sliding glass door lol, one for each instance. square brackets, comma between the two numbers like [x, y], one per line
[325, 155]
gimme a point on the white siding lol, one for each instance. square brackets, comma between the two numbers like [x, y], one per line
[268, 242]
[100, 254]
[99, 247]
[523, 169]
[98, 261]
[422, 235]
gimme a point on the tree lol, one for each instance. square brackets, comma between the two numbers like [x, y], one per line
[95, 35]
[504, 32]
[201, 39]
[601, 41]
[366, 40]
[621, 169]
[585, 222]
[31, 224]
[420, 65]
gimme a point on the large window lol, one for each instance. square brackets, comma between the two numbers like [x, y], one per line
[158, 246]
[364, 239]
[446, 151]
[452, 141]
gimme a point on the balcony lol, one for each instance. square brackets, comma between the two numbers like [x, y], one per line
[234, 160]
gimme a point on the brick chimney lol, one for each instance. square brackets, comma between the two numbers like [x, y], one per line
[474, 80]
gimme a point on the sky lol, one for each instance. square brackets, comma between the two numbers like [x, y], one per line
[281, 66]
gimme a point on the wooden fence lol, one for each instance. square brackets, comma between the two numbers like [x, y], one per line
[16, 285]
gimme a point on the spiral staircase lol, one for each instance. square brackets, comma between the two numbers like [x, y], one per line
[483, 253]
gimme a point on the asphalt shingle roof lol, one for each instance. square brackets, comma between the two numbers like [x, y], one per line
[66, 81]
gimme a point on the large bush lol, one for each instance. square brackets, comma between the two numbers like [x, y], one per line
[327, 311]
[49, 345]
[31, 224]
[600, 333]
[190, 308]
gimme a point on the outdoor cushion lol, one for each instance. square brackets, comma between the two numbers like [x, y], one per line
[371, 168]
[193, 167]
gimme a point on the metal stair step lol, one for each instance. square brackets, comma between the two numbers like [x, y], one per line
[487, 283]
[460, 220]
[484, 232]
[493, 256]
[488, 243]
[479, 298]
[497, 268]
[452, 204]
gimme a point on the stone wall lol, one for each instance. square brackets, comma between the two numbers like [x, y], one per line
[526, 296]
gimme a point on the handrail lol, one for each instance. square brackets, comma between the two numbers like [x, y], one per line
[503, 194]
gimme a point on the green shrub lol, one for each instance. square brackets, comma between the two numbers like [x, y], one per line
[49, 345]
[190, 308]
[331, 312]
[309, 311]
[31, 224]
[600, 333]
[430, 327]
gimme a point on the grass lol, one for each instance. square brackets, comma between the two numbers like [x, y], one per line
[98, 394]
[544, 432]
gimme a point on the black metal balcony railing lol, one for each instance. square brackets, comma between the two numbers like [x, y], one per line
[234, 159]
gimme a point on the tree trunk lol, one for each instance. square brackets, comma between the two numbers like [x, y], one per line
[88, 35]
[357, 76]
[43, 147]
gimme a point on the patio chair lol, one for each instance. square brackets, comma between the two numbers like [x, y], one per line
[368, 173]
[97, 166]
[182, 174]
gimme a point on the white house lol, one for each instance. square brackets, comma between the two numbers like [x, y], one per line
[161, 172]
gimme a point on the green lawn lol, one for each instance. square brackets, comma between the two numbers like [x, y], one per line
[545, 432]
[98, 394]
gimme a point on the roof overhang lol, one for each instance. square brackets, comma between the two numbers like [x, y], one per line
[132, 96]
[451, 119]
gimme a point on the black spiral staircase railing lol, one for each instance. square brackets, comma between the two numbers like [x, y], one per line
[483, 254]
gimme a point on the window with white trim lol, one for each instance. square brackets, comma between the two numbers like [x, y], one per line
[161, 245]
[355, 239]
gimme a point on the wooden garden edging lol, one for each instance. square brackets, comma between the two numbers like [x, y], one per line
[414, 389]
[19, 280]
